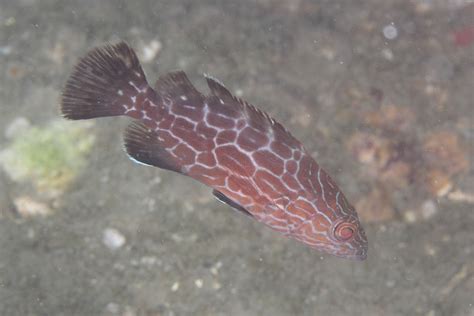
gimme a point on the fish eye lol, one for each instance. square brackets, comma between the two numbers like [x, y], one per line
[344, 231]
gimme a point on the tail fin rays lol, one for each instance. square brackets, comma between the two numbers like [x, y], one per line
[103, 83]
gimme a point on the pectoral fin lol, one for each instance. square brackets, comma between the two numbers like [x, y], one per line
[224, 199]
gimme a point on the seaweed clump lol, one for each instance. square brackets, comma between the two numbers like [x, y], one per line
[49, 157]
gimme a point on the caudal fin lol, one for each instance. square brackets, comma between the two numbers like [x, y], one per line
[104, 83]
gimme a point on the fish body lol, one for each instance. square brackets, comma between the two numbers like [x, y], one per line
[251, 161]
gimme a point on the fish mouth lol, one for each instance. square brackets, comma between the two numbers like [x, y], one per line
[356, 250]
[360, 255]
[351, 252]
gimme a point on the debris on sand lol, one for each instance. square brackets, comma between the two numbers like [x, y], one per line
[49, 157]
[395, 159]
[113, 239]
[29, 207]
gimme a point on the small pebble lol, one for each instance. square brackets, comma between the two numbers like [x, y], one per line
[239, 92]
[148, 260]
[175, 286]
[10, 21]
[460, 196]
[216, 267]
[28, 207]
[150, 51]
[113, 239]
[216, 285]
[113, 308]
[428, 209]
[438, 182]
[410, 217]
[199, 283]
[5, 50]
[430, 250]
[390, 32]
[387, 54]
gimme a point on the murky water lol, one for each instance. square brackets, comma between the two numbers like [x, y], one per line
[379, 92]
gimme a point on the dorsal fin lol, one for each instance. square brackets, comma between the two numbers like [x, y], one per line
[258, 119]
[176, 84]
[224, 199]
[143, 146]
[217, 88]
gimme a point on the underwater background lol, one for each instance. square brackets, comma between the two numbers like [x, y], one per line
[380, 92]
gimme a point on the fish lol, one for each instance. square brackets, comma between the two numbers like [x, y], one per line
[250, 161]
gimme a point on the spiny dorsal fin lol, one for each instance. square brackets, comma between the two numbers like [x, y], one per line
[143, 146]
[258, 119]
[224, 199]
[217, 88]
[176, 84]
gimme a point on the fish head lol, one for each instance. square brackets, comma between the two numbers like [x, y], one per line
[344, 236]
[333, 227]
[348, 239]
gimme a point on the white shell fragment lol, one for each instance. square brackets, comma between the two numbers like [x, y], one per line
[113, 239]
[390, 32]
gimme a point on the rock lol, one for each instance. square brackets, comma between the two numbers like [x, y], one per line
[386, 160]
[443, 150]
[437, 182]
[410, 216]
[113, 239]
[376, 207]
[149, 51]
[428, 209]
[199, 283]
[391, 118]
[29, 207]
[390, 32]
[366, 147]
[175, 286]
[460, 196]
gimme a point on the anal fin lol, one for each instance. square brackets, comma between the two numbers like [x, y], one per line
[143, 146]
[224, 199]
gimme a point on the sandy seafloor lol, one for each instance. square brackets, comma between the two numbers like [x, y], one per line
[325, 69]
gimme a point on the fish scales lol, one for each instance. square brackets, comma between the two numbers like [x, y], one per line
[251, 161]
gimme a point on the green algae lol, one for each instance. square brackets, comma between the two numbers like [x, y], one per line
[50, 157]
